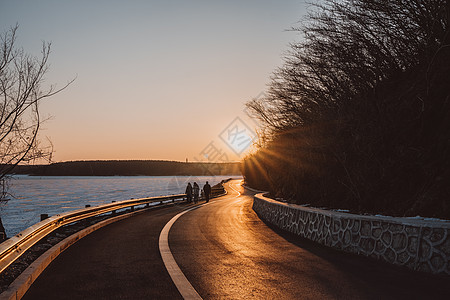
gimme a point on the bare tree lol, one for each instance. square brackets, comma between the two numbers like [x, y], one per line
[21, 81]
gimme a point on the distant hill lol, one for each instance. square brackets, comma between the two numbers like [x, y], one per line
[129, 168]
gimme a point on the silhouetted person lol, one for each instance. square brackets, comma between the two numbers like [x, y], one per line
[196, 190]
[2, 232]
[207, 191]
[189, 192]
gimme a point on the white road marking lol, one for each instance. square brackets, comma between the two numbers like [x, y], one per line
[235, 190]
[183, 285]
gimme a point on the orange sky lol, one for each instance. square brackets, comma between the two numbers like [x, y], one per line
[154, 79]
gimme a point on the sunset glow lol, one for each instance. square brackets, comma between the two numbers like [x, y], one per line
[154, 79]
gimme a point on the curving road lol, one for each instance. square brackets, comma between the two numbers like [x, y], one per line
[225, 252]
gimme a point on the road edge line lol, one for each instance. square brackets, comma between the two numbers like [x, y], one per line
[183, 285]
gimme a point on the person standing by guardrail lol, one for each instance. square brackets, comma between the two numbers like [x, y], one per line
[207, 191]
[2, 232]
[189, 192]
[196, 192]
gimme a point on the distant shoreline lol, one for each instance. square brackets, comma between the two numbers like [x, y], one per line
[129, 168]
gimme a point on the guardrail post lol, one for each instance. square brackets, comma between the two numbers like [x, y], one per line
[44, 216]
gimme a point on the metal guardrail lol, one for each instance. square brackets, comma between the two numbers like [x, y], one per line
[13, 248]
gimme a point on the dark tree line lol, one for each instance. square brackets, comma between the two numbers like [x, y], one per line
[129, 168]
[358, 116]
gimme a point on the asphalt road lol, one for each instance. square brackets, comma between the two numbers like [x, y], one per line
[226, 252]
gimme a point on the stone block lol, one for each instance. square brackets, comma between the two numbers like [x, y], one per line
[413, 245]
[425, 250]
[399, 241]
[365, 228]
[438, 235]
[403, 257]
[390, 255]
[356, 226]
[328, 240]
[344, 223]
[336, 225]
[386, 237]
[379, 247]
[426, 231]
[334, 237]
[367, 244]
[314, 236]
[395, 228]
[355, 239]
[347, 237]
[438, 263]
[323, 228]
[376, 232]
[445, 247]
[410, 230]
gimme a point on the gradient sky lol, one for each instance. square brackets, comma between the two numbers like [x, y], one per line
[154, 79]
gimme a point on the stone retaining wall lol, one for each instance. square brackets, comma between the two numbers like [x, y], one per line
[417, 244]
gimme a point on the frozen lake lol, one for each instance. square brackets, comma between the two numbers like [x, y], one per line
[36, 195]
